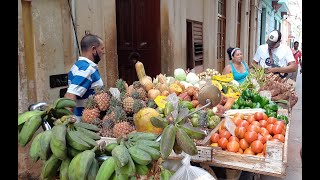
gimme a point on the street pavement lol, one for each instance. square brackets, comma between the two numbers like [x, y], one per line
[294, 166]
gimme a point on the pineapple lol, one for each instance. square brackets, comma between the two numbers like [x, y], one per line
[121, 85]
[127, 104]
[91, 110]
[103, 99]
[106, 130]
[97, 122]
[115, 102]
[122, 129]
[115, 113]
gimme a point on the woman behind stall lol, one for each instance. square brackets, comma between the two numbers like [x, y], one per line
[237, 66]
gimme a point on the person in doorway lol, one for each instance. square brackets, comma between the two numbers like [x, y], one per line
[84, 77]
[237, 67]
[275, 57]
[297, 54]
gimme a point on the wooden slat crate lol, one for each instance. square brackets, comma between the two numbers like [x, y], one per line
[273, 164]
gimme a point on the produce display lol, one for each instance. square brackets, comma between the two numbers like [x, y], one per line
[137, 114]
[250, 135]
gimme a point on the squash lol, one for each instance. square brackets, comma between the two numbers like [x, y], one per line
[140, 70]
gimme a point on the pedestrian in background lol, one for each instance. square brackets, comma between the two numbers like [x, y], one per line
[84, 77]
[297, 54]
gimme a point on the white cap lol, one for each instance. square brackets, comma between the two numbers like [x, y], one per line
[274, 37]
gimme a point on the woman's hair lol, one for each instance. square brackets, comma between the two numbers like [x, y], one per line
[231, 52]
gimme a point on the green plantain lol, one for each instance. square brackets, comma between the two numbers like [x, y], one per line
[28, 129]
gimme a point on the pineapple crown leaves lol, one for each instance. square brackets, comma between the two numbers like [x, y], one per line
[108, 124]
[115, 102]
[121, 85]
[91, 103]
[135, 95]
[137, 105]
[137, 85]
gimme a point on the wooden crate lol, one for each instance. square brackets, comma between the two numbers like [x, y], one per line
[273, 164]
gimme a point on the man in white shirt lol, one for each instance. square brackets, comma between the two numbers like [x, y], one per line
[274, 56]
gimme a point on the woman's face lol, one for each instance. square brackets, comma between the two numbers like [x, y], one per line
[237, 57]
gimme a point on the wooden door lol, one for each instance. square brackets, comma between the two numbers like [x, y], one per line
[138, 37]
[221, 49]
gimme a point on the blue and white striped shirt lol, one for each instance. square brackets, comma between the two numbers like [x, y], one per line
[83, 78]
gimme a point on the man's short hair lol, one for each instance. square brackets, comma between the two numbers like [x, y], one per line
[296, 42]
[88, 41]
[274, 37]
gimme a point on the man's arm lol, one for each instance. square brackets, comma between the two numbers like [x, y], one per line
[292, 67]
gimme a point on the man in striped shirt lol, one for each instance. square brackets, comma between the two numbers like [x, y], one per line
[84, 77]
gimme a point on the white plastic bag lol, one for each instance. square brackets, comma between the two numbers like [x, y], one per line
[188, 172]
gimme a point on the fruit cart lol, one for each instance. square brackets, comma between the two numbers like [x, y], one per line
[273, 164]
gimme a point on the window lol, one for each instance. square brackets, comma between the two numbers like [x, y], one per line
[194, 44]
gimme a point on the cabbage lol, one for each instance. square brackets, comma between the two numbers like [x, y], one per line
[192, 78]
[180, 74]
[170, 80]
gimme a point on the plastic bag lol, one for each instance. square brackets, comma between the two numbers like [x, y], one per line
[115, 92]
[188, 172]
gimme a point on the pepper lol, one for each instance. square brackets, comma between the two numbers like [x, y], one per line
[263, 101]
[256, 97]
[235, 106]
[240, 101]
[257, 105]
[248, 103]
[272, 106]
[246, 94]
[283, 117]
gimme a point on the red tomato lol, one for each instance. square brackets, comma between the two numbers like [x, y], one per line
[248, 151]
[243, 144]
[263, 131]
[263, 123]
[240, 151]
[268, 137]
[233, 146]
[258, 116]
[271, 120]
[280, 123]
[239, 132]
[233, 138]
[276, 140]
[269, 128]
[265, 117]
[243, 123]
[256, 123]
[283, 131]
[280, 137]
[252, 127]
[262, 139]
[264, 148]
[260, 154]
[236, 120]
[251, 136]
[223, 142]
[240, 115]
[214, 138]
[256, 146]
[224, 133]
[222, 127]
[277, 129]
[250, 119]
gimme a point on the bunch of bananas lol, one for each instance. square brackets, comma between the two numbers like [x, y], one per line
[178, 135]
[130, 157]
[68, 147]
[30, 121]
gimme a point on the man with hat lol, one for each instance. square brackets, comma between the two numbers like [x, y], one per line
[274, 56]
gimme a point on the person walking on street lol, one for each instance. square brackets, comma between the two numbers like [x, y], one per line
[237, 67]
[274, 56]
[84, 77]
[297, 54]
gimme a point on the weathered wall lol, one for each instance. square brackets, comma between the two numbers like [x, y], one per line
[195, 10]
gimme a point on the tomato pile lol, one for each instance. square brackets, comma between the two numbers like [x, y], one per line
[251, 134]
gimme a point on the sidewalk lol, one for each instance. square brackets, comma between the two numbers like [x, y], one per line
[294, 168]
